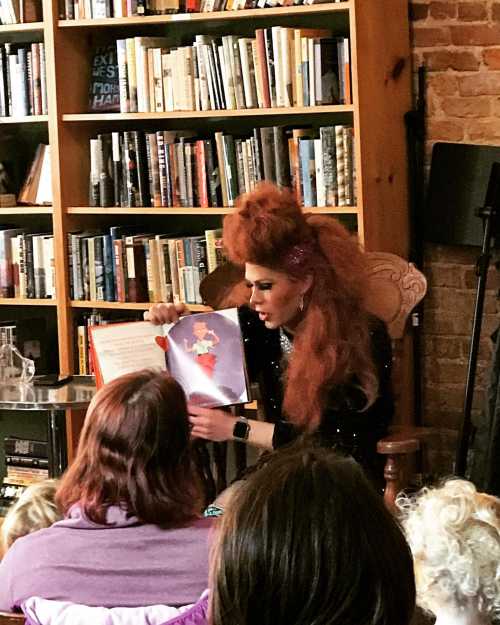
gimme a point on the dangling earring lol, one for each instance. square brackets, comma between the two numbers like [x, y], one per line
[301, 303]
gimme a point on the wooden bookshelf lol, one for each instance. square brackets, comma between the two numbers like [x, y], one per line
[215, 16]
[29, 119]
[28, 27]
[381, 95]
[138, 117]
[166, 210]
[26, 210]
[12, 301]
[100, 305]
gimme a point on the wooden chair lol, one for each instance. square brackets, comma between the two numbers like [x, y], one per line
[395, 287]
[9, 618]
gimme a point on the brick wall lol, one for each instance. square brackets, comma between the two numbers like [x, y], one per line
[459, 43]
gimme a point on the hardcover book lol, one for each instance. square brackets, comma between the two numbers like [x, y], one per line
[203, 352]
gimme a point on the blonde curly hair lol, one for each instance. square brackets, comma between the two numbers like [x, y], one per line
[454, 535]
[34, 510]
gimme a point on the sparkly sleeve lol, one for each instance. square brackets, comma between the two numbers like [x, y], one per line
[284, 433]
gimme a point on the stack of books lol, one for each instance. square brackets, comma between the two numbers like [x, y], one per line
[27, 461]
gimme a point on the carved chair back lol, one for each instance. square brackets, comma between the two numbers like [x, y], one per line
[395, 288]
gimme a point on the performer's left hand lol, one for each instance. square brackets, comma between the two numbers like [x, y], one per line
[211, 424]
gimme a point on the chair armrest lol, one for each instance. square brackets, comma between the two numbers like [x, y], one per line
[400, 443]
[394, 447]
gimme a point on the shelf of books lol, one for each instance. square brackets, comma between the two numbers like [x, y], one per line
[159, 114]
[207, 15]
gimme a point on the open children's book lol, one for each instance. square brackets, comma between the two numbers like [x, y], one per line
[203, 352]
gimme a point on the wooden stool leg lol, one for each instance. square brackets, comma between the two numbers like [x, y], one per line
[393, 474]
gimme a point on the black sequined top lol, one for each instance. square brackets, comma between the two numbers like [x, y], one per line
[344, 424]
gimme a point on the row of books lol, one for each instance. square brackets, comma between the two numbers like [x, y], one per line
[23, 85]
[26, 264]
[98, 9]
[279, 67]
[175, 168]
[128, 265]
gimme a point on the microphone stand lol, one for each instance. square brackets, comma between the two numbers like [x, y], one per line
[489, 214]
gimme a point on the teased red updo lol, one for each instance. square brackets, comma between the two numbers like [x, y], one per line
[332, 342]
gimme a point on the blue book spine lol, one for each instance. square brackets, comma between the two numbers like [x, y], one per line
[306, 147]
[109, 269]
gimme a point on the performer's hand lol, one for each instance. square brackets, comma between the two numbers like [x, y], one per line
[210, 423]
[165, 313]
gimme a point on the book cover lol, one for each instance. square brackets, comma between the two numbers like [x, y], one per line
[104, 96]
[203, 352]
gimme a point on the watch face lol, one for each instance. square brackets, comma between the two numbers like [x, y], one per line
[240, 429]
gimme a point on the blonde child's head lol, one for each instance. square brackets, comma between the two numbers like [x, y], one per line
[34, 510]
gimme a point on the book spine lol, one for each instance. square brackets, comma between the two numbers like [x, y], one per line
[23, 274]
[108, 268]
[104, 165]
[142, 194]
[136, 270]
[117, 167]
[43, 79]
[121, 52]
[340, 159]
[31, 95]
[161, 181]
[25, 447]
[37, 88]
[100, 285]
[155, 169]
[82, 350]
[26, 461]
[30, 275]
[6, 283]
[327, 135]
[119, 270]
[131, 169]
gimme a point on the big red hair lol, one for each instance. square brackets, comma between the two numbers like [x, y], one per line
[134, 452]
[332, 342]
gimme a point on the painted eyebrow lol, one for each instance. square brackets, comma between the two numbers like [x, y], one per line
[259, 281]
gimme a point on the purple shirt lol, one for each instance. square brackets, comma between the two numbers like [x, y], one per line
[126, 564]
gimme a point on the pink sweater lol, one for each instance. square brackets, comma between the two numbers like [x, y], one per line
[126, 564]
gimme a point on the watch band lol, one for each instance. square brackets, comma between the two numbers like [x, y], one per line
[241, 429]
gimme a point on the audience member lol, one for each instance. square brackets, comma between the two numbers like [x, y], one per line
[454, 534]
[35, 509]
[132, 534]
[307, 541]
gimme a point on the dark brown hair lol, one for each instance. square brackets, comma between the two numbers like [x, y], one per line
[134, 452]
[332, 342]
[306, 541]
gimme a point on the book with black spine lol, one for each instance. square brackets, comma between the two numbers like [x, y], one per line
[143, 197]
[105, 162]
